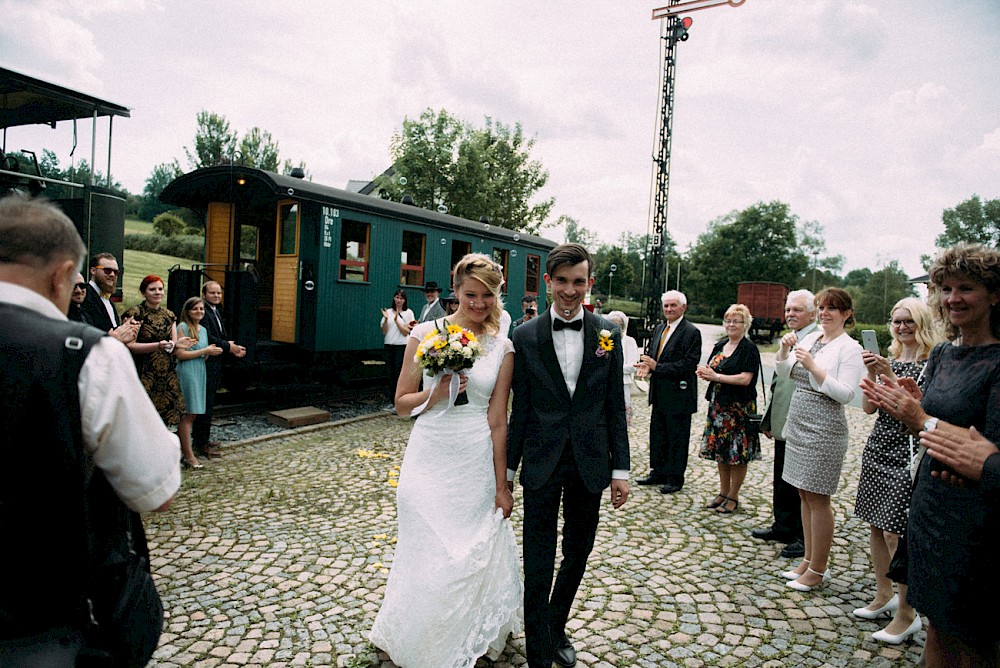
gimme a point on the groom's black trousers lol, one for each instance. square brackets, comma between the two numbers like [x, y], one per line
[544, 615]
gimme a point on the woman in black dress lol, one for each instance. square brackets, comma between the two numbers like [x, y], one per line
[955, 514]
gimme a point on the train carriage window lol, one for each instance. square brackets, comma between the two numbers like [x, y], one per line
[354, 238]
[459, 249]
[412, 258]
[531, 274]
[502, 255]
[288, 224]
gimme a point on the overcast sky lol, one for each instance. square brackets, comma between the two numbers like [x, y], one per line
[869, 118]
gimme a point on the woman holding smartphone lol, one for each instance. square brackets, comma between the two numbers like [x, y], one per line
[885, 485]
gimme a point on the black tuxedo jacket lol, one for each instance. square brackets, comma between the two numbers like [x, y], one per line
[92, 310]
[673, 387]
[215, 335]
[544, 418]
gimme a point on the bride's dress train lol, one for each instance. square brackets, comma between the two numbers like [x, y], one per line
[454, 592]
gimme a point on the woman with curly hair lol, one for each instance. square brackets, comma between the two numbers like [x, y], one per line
[954, 515]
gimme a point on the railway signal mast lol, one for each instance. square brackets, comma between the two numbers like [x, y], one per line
[674, 29]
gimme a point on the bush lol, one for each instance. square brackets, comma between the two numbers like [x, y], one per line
[168, 225]
[189, 247]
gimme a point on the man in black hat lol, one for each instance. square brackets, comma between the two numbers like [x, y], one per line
[434, 309]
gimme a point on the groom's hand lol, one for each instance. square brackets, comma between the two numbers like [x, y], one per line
[619, 492]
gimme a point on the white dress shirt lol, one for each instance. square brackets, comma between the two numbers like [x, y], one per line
[121, 429]
[568, 344]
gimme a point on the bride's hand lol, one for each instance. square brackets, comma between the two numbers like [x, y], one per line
[504, 500]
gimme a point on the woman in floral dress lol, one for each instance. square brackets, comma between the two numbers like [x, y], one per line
[153, 347]
[730, 439]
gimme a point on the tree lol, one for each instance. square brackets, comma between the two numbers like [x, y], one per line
[260, 150]
[756, 244]
[873, 299]
[214, 141]
[78, 173]
[443, 163]
[168, 225]
[624, 280]
[150, 205]
[972, 221]
[575, 233]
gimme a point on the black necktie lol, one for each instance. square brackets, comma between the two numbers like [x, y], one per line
[560, 324]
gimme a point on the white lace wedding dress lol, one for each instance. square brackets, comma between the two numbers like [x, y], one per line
[454, 592]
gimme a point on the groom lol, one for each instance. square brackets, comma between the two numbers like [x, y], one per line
[567, 424]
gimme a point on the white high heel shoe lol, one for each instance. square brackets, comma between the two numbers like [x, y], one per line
[792, 575]
[798, 586]
[910, 631]
[889, 608]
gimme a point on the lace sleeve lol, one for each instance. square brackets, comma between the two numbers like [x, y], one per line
[421, 330]
[508, 345]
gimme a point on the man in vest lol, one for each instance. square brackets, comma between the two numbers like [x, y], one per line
[84, 451]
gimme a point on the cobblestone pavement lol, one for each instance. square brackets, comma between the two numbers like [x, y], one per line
[277, 555]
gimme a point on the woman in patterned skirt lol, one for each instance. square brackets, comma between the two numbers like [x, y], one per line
[826, 368]
[729, 438]
[885, 485]
[153, 347]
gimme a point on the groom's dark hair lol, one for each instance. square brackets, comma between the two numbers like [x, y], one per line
[571, 254]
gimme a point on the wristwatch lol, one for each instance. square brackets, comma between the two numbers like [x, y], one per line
[930, 424]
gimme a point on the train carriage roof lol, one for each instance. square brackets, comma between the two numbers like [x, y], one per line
[218, 184]
[25, 100]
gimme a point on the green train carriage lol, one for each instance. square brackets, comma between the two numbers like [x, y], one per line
[307, 268]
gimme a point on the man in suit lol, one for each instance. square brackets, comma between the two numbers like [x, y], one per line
[567, 425]
[670, 363]
[201, 432]
[97, 308]
[800, 316]
[433, 309]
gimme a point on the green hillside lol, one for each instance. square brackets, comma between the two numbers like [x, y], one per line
[138, 265]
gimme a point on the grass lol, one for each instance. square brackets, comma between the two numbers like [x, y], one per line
[138, 265]
[135, 226]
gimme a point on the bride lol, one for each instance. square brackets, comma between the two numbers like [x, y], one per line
[454, 592]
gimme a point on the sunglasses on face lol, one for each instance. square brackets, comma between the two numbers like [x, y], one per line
[108, 271]
[80, 286]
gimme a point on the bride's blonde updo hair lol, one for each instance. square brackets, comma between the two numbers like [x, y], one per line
[489, 273]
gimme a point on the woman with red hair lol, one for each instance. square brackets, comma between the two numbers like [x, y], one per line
[153, 347]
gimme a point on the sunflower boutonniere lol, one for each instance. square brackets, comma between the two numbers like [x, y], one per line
[604, 343]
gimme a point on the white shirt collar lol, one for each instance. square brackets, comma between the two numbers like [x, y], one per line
[22, 296]
[578, 316]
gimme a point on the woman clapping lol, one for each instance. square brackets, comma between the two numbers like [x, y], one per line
[826, 367]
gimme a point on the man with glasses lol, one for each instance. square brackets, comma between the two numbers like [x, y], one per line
[97, 308]
[76, 300]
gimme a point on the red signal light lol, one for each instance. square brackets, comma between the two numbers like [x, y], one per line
[686, 22]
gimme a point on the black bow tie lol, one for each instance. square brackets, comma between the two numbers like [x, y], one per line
[560, 324]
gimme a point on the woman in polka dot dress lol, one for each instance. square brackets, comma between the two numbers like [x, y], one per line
[885, 485]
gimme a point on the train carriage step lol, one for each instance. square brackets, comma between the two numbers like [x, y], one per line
[298, 417]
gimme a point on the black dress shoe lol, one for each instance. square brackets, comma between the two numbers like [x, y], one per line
[651, 480]
[669, 488]
[771, 534]
[794, 550]
[564, 654]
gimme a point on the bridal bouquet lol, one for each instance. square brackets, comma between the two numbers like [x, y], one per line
[450, 351]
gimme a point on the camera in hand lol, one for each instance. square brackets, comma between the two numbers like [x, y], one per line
[530, 310]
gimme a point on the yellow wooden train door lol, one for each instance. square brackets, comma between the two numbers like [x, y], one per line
[218, 240]
[286, 273]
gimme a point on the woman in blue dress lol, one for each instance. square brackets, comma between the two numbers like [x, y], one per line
[192, 373]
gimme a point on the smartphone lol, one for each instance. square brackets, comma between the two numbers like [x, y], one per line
[870, 341]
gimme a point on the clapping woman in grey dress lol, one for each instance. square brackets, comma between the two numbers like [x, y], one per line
[885, 484]
[826, 368]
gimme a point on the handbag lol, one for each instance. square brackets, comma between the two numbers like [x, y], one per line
[754, 419]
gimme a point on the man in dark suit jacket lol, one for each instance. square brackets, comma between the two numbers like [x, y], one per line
[434, 309]
[201, 432]
[97, 308]
[670, 363]
[567, 425]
